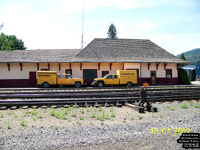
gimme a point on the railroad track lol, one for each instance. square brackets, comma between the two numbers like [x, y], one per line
[94, 96]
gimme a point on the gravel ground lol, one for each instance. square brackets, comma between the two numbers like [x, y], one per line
[135, 134]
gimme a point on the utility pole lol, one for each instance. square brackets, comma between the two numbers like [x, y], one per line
[82, 24]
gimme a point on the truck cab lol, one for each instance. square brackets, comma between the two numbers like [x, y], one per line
[109, 79]
[47, 78]
[122, 77]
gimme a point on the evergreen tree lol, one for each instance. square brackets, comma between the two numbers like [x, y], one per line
[183, 56]
[112, 32]
[10, 42]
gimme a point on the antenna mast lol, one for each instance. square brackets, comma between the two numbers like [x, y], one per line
[82, 24]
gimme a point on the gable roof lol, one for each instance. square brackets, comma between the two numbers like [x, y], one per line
[45, 55]
[99, 50]
[126, 50]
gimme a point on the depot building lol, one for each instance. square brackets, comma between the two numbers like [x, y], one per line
[153, 64]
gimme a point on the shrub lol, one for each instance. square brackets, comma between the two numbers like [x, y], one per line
[184, 106]
[183, 78]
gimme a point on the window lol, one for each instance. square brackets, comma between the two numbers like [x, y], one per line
[104, 73]
[110, 77]
[67, 76]
[168, 73]
[68, 71]
[61, 76]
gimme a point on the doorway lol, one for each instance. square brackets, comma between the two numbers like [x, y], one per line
[32, 79]
[89, 75]
[153, 77]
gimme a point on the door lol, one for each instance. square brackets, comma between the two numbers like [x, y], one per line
[153, 77]
[69, 80]
[89, 75]
[32, 79]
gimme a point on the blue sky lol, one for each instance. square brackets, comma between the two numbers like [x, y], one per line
[41, 24]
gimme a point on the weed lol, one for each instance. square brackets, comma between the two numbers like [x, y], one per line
[161, 116]
[1, 115]
[92, 115]
[191, 103]
[140, 117]
[172, 109]
[78, 123]
[22, 123]
[27, 112]
[81, 118]
[57, 114]
[87, 109]
[100, 109]
[184, 106]
[55, 128]
[15, 116]
[69, 119]
[132, 118]
[112, 114]
[40, 116]
[197, 106]
[62, 116]
[8, 125]
[34, 119]
[9, 113]
[52, 112]
[167, 107]
[73, 113]
[112, 109]
[34, 112]
[102, 123]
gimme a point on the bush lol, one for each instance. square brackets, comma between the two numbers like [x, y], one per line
[183, 78]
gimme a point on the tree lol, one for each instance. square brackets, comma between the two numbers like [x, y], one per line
[183, 56]
[10, 42]
[112, 32]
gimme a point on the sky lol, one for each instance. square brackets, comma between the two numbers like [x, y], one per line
[53, 24]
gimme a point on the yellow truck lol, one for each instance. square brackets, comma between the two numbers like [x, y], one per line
[123, 77]
[47, 78]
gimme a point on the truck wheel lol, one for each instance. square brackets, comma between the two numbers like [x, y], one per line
[45, 85]
[129, 84]
[100, 84]
[78, 84]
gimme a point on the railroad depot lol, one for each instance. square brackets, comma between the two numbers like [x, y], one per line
[101, 56]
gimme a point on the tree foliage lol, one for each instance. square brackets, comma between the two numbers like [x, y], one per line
[112, 32]
[183, 56]
[10, 42]
[183, 78]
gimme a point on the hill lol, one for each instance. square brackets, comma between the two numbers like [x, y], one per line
[193, 56]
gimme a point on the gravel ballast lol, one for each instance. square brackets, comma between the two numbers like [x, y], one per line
[127, 135]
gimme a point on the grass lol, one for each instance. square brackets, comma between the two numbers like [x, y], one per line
[8, 125]
[172, 109]
[78, 123]
[22, 123]
[81, 118]
[102, 123]
[62, 116]
[140, 117]
[40, 116]
[34, 112]
[184, 106]
[112, 114]
[92, 115]
[52, 112]
[191, 103]
[16, 116]
[1, 115]
[197, 106]
[34, 119]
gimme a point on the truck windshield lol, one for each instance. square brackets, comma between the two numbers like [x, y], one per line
[106, 76]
